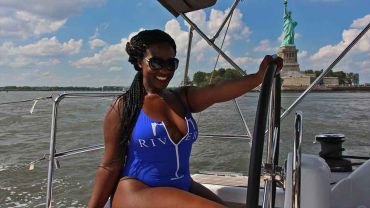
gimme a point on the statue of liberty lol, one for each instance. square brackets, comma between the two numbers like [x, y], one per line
[289, 25]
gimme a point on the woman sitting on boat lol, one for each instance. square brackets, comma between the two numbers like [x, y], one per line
[149, 131]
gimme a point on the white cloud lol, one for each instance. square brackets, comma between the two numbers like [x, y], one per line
[20, 62]
[116, 68]
[20, 19]
[34, 76]
[50, 47]
[43, 47]
[95, 43]
[44, 52]
[245, 62]
[356, 60]
[109, 58]
[302, 54]
[112, 57]
[237, 31]
[106, 58]
[361, 22]
[173, 28]
[329, 52]
[203, 56]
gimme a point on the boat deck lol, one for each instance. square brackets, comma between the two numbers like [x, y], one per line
[231, 187]
[223, 179]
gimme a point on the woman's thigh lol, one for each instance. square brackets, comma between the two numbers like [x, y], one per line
[133, 193]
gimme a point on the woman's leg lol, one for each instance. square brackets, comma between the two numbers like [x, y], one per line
[200, 190]
[133, 193]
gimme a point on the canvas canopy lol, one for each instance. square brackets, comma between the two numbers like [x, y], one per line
[176, 7]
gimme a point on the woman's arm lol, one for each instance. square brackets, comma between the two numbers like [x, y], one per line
[201, 98]
[112, 161]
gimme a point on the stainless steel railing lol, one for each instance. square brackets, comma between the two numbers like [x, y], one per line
[297, 157]
[53, 155]
[57, 98]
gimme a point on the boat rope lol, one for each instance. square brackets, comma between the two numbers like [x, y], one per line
[35, 100]
[222, 45]
[23, 166]
[31, 165]
[214, 70]
[218, 56]
[24, 101]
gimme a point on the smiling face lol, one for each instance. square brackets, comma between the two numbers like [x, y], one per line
[155, 81]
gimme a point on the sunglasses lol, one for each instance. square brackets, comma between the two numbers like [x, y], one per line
[158, 63]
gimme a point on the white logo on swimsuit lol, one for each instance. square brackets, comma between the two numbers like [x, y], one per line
[154, 142]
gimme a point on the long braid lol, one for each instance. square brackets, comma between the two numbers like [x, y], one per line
[132, 104]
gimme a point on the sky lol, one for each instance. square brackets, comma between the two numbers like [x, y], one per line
[82, 42]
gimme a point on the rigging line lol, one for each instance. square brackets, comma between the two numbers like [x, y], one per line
[321, 76]
[242, 117]
[218, 56]
[222, 44]
[22, 166]
[23, 101]
[235, 4]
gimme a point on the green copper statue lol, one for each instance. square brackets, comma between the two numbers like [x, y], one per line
[289, 25]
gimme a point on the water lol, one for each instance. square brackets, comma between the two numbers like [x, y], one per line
[25, 137]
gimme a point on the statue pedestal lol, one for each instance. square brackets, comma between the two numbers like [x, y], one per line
[289, 54]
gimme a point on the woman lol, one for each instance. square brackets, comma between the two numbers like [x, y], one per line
[154, 126]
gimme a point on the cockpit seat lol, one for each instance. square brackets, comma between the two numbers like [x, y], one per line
[354, 190]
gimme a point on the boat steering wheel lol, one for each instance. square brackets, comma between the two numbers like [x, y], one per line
[267, 114]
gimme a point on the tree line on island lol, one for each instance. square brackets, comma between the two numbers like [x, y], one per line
[343, 77]
[203, 78]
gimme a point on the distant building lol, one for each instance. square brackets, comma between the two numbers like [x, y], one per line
[331, 81]
[356, 79]
[295, 78]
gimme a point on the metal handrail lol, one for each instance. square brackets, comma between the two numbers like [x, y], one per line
[101, 146]
[297, 157]
[57, 98]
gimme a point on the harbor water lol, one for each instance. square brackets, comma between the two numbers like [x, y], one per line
[25, 137]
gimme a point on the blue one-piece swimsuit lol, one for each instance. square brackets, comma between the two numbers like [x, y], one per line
[153, 157]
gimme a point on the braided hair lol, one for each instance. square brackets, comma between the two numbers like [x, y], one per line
[134, 97]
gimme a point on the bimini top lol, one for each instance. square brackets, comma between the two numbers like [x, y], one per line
[176, 7]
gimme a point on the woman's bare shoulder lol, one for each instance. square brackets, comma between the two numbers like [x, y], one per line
[116, 107]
